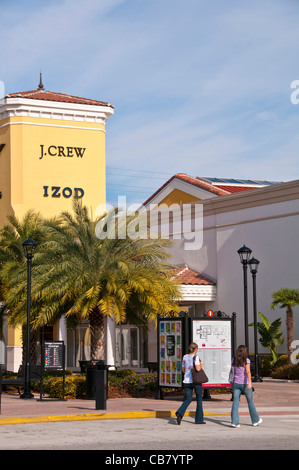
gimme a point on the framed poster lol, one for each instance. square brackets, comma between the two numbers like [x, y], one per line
[214, 337]
[54, 353]
[171, 347]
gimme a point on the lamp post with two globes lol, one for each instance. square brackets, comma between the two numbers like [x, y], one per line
[253, 266]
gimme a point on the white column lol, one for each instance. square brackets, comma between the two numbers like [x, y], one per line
[62, 334]
[110, 342]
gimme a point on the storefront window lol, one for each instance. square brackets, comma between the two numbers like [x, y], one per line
[78, 345]
[131, 347]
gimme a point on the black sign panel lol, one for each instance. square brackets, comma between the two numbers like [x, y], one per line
[54, 355]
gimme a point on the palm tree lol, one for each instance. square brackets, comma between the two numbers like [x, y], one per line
[287, 298]
[13, 267]
[270, 335]
[86, 277]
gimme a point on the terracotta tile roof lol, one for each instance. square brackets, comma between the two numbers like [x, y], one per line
[46, 95]
[232, 185]
[194, 181]
[234, 189]
[185, 275]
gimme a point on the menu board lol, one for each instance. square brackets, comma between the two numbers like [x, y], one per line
[54, 355]
[170, 353]
[214, 339]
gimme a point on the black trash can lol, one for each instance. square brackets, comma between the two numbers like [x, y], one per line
[97, 383]
[83, 366]
[90, 381]
[101, 385]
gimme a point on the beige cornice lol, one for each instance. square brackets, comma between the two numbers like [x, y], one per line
[276, 193]
[24, 107]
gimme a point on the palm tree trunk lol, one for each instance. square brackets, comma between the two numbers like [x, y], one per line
[97, 335]
[290, 331]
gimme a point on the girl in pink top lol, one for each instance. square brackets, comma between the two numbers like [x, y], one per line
[242, 385]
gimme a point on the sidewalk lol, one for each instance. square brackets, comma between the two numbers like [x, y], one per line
[270, 397]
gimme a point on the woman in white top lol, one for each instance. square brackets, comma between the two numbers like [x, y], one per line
[189, 386]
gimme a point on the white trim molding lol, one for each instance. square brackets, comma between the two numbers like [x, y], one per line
[52, 125]
[24, 107]
[197, 293]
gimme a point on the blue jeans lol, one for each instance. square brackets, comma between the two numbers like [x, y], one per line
[188, 388]
[239, 389]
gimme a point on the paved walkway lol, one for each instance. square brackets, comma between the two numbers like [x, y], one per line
[270, 397]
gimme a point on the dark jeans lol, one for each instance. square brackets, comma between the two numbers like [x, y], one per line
[188, 388]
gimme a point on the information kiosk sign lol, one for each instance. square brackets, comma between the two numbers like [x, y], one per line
[53, 355]
[214, 337]
[171, 348]
[53, 358]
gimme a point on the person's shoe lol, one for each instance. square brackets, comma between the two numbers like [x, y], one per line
[235, 425]
[178, 418]
[259, 422]
[203, 422]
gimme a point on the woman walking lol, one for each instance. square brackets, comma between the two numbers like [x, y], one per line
[242, 385]
[189, 386]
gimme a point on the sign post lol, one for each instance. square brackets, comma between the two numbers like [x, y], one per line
[215, 339]
[53, 358]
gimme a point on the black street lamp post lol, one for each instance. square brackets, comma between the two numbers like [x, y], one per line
[29, 247]
[253, 266]
[244, 253]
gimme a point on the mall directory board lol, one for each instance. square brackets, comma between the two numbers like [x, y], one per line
[214, 337]
[54, 355]
[171, 348]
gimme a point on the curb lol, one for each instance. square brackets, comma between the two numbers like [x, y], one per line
[100, 416]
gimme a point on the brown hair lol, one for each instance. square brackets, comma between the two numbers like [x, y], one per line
[192, 347]
[241, 356]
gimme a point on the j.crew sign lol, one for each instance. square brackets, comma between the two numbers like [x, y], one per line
[60, 151]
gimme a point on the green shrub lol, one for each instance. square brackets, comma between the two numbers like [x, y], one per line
[134, 381]
[282, 360]
[286, 372]
[121, 373]
[266, 366]
[75, 387]
[56, 373]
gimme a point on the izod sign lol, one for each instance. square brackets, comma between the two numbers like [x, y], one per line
[61, 151]
[57, 191]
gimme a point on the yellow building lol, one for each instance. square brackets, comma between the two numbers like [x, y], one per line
[52, 147]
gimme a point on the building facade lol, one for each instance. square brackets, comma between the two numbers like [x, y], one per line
[52, 147]
[262, 215]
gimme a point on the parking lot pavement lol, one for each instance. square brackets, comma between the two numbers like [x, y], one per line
[146, 437]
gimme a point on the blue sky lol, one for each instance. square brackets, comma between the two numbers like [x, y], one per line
[199, 87]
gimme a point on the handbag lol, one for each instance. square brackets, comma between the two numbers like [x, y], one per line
[231, 376]
[198, 376]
